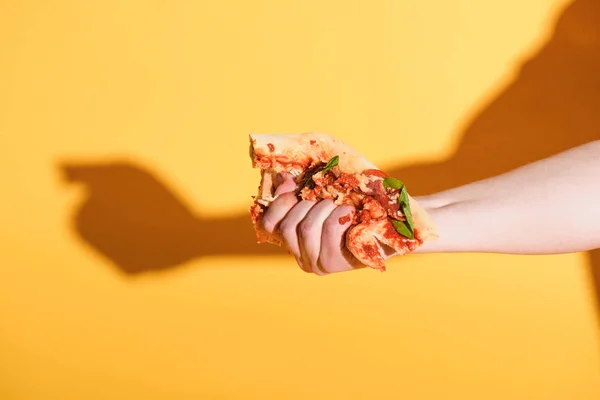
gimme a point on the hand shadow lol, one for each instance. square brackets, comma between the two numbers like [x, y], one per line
[139, 224]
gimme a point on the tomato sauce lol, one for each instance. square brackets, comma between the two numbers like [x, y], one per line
[376, 172]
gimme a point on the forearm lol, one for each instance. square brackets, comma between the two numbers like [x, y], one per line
[548, 207]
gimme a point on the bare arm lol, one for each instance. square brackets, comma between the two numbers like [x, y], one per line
[547, 207]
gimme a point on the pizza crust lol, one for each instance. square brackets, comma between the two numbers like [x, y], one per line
[288, 152]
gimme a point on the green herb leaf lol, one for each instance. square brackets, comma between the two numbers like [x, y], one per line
[307, 179]
[304, 180]
[403, 228]
[392, 183]
[405, 207]
[332, 163]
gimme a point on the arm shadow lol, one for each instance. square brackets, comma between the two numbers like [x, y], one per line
[138, 223]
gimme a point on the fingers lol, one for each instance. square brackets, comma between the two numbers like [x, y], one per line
[310, 231]
[289, 230]
[334, 256]
[285, 183]
[277, 211]
[285, 200]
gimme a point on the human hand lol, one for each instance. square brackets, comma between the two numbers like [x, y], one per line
[311, 230]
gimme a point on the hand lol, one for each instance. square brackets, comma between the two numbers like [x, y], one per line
[311, 230]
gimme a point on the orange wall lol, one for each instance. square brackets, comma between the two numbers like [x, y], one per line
[124, 166]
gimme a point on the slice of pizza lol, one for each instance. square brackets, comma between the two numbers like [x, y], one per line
[387, 218]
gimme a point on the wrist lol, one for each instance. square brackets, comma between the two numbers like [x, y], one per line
[445, 214]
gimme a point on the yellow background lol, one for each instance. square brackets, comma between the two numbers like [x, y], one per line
[124, 166]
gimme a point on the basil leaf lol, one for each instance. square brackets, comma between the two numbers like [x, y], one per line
[310, 183]
[403, 228]
[392, 183]
[307, 180]
[405, 207]
[332, 163]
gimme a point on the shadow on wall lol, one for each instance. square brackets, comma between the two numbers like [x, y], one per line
[139, 224]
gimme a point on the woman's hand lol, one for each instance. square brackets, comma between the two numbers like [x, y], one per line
[311, 230]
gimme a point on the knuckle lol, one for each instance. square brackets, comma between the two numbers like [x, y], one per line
[332, 261]
[323, 266]
[287, 199]
[305, 228]
[286, 227]
[330, 225]
[323, 270]
[268, 225]
[305, 269]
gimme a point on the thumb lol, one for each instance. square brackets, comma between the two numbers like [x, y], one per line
[284, 183]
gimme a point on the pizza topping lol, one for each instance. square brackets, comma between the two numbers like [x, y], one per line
[345, 181]
[371, 241]
[353, 199]
[404, 202]
[364, 216]
[375, 172]
[405, 225]
[381, 222]
[370, 250]
[265, 161]
[363, 244]
[390, 233]
[402, 228]
[321, 180]
[255, 211]
[375, 209]
[309, 175]
[372, 194]
[382, 217]
[307, 179]
[345, 219]
[332, 163]
[388, 200]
